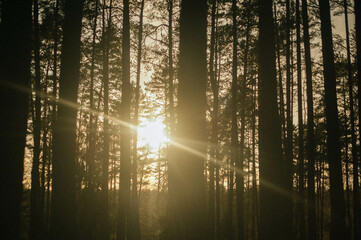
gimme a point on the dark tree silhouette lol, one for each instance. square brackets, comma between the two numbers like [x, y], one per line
[63, 204]
[311, 202]
[338, 212]
[272, 195]
[14, 96]
[186, 179]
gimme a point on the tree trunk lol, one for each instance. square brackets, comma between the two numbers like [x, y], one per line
[214, 134]
[311, 201]
[288, 166]
[186, 178]
[301, 191]
[124, 179]
[15, 58]
[272, 195]
[234, 125]
[134, 228]
[356, 192]
[105, 155]
[63, 216]
[338, 224]
[35, 228]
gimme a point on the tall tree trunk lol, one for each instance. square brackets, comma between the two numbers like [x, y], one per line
[301, 196]
[170, 66]
[338, 224]
[214, 134]
[240, 162]
[272, 195]
[124, 179]
[15, 55]
[356, 193]
[63, 216]
[254, 174]
[186, 178]
[311, 199]
[234, 125]
[288, 166]
[90, 153]
[280, 84]
[217, 183]
[105, 155]
[134, 228]
[35, 214]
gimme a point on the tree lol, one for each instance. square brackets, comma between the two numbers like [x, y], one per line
[124, 179]
[338, 223]
[63, 205]
[311, 203]
[301, 199]
[35, 211]
[272, 195]
[356, 192]
[15, 58]
[134, 228]
[186, 179]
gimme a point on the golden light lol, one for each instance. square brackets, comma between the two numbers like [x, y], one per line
[152, 133]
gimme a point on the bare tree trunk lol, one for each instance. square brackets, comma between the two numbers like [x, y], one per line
[133, 227]
[63, 217]
[311, 202]
[186, 170]
[15, 59]
[105, 155]
[35, 228]
[356, 192]
[214, 134]
[338, 224]
[234, 126]
[124, 178]
[301, 190]
[288, 166]
[272, 192]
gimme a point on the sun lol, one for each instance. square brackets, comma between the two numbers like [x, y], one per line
[152, 133]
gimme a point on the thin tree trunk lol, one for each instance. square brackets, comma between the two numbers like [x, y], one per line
[105, 160]
[338, 224]
[63, 217]
[15, 59]
[356, 193]
[288, 167]
[302, 195]
[311, 201]
[133, 227]
[35, 214]
[124, 178]
[240, 162]
[282, 104]
[90, 153]
[214, 134]
[234, 125]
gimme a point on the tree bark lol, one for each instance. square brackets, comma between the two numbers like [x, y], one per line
[301, 191]
[186, 169]
[63, 214]
[272, 192]
[338, 224]
[311, 201]
[15, 55]
[35, 228]
[134, 227]
[124, 179]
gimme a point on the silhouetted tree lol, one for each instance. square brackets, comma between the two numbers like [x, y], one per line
[63, 204]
